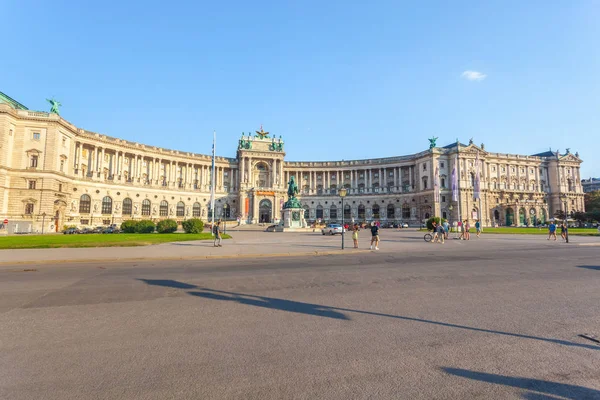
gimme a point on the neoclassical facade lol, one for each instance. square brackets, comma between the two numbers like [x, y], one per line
[56, 174]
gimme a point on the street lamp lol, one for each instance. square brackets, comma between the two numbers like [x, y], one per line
[343, 192]
[225, 218]
[450, 208]
[43, 221]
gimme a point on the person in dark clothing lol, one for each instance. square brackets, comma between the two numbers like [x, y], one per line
[374, 236]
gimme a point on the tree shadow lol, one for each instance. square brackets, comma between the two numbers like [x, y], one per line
[336, 312]
[168, 283]
[592, 267]
[565, 390]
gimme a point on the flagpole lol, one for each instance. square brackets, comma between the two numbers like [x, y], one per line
[458, 187]
[212, 183]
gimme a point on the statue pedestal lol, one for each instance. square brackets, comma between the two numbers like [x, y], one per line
[293, 219]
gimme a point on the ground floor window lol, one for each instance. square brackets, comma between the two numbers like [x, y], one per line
[106, 222]
[405, 211]
[196, 210]
[333, 212]
[391, 211]
[84, 221]
[319, 212]
[361, 212]
[29, 208]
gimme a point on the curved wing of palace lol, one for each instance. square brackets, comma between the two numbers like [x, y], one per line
[58, 174]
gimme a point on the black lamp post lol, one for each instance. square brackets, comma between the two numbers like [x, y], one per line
[43, 221]
[343, 192]
[225, 218]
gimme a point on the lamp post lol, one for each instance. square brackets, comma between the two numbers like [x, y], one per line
[450, 208]
[43, 221]
[343, 192]
[564, 197]
[225, 218]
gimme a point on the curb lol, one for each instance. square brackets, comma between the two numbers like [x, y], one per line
[191, 258]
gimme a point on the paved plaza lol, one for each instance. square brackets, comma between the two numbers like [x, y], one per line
[498, 317]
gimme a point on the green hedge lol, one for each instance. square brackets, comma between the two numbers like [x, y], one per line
[166, 226]
[193, 225]
[129, 226]
[145, 226]
[437, 220]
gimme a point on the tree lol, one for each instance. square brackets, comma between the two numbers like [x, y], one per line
[145, 226]
[437, 220]
[593, 215]
[592, 201]
[580, 217]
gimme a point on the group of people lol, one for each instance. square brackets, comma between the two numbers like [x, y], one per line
[564, 231]
[374, 235]
[441, 231]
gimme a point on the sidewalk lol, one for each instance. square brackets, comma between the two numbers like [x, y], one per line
[270, 244]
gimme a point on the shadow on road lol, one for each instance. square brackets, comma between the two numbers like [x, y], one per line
[333, 312]
[593, 267]
[536, 385]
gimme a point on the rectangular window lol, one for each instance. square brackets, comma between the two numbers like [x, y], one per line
[424, 167]
[84, 221]
[33, 163]
[226, 188]
[106, 222]
[375, 175]
[31, 184]
[36, 136]
[62, 165]
[361, 176]
[29, 208]
[391, 174]
[441, 165]
[64, 142]
[226, 173]
[443, 199]
[60, 187]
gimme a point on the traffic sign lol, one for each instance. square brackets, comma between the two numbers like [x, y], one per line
[5, 221]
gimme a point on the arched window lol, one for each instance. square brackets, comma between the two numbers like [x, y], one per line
[496, 215]
[146, 207]
[180, 209]
[361, 188]
[227, 210]
[347, 212]
[391, 211]
[375, 211]
[405, 211]
[306, 212]
[127, 206]
[106, 205]
[333, 212]
[361, 212]
[333, 189]
[424, 183]
[319, 212]
[164, 208]
[196, 210]
[85, 203]
[376, 187]
[472, 179]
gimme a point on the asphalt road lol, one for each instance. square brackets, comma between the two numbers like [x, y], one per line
[490, 322]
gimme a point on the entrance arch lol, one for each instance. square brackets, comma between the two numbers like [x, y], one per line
[522, 216]
[510, 217]
[533, 216]
[265, 208]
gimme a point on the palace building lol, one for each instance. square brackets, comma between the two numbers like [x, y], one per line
[57, 174]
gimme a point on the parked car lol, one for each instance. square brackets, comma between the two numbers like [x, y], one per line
[71, 231]
[405, 225]
[86, 230]
[332, 229]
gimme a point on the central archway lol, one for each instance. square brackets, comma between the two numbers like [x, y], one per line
[264, 211]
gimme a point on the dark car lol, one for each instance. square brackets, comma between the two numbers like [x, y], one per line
[71, 231]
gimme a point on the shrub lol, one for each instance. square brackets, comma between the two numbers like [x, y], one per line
[437, 220]
[129, 226]
[194, 225]
[166, 226]
[145, 226]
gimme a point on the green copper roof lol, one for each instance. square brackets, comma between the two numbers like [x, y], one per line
[9, 100]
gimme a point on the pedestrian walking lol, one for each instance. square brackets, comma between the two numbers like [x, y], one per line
[478, 227]
[439, 234]
[563, 231]
[217, 233]
[552, 230]
[467, 230]
[446, 226]
[435, 232]
[374, 236]
[461, 230]
[355, 235]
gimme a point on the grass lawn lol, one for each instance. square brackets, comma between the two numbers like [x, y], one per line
[97, 240]
[537, 231]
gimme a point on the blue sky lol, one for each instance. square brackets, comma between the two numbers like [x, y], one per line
[337, 79]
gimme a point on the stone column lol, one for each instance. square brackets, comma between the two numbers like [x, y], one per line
[122, 164]
[370, 185]
[384, 172]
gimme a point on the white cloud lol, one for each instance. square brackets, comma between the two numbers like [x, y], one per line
[474, 75]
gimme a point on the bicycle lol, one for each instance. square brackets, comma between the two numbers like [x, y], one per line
[428, 237]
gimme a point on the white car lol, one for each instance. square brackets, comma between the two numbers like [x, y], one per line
[332, 229]
[405, 225]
